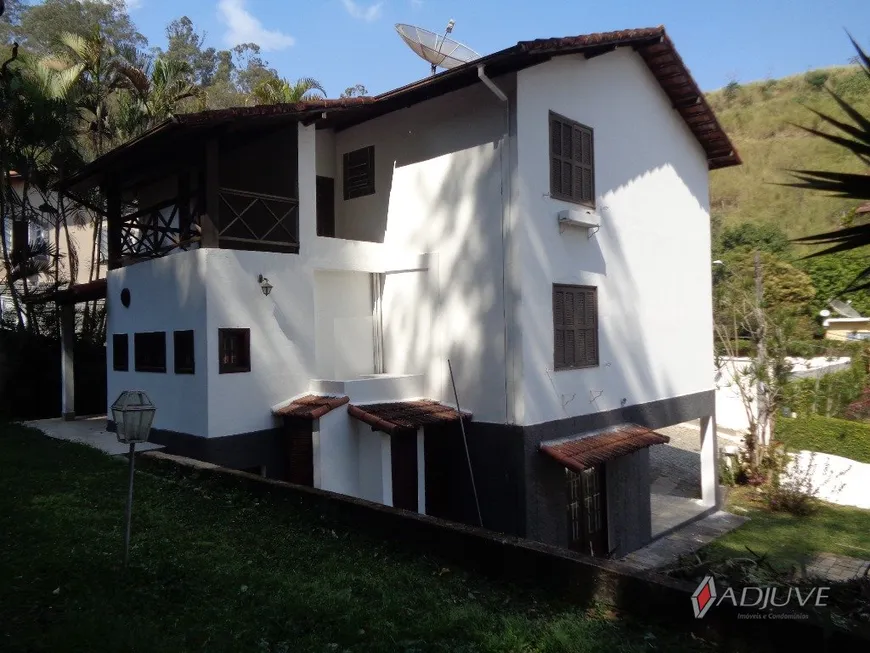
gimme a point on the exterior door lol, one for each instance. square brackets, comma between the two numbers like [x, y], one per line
[587, 511]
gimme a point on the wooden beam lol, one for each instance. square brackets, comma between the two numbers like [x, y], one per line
[210, 219]
[113, 219]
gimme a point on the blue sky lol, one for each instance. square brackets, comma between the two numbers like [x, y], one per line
[343, 42]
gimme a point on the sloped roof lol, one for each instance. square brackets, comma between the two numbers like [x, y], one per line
[310, 406]
[405, 416]
[589, 450]
[652, 44]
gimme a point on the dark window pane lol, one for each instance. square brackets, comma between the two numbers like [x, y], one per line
[234, 350]
[184, 358]
[120, 352]
[150, 351]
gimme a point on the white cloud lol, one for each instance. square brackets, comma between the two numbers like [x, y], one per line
[244, 27]
[368, 14]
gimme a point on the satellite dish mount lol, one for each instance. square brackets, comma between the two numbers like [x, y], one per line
[439, 50]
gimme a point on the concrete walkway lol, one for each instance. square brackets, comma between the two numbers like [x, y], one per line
[683, 541]
[90, 431]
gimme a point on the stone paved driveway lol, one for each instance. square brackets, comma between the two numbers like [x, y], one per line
[675, 468]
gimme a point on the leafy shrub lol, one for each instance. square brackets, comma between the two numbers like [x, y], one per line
[731, 90]
[829, 395]
[817, 78]
[838, 437]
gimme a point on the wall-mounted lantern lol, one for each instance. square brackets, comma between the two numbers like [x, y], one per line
[133, 414]
[265, 286]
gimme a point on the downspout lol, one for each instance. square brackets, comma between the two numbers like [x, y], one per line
[506, 203]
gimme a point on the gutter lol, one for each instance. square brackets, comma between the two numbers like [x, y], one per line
[505, 238]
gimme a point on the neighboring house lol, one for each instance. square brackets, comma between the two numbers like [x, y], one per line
[293, 280]
[36, 230]
[851, 325]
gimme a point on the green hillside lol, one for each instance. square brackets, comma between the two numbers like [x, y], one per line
[756, 117]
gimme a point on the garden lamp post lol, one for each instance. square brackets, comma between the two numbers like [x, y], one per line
[133, 413]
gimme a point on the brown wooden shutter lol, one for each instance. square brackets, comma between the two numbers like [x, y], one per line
[559, 327]
[572, 161]
[575, 326]
[359, 172]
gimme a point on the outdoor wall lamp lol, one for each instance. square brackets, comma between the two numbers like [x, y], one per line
[265, 286]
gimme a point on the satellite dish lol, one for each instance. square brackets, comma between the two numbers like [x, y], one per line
[439, 51]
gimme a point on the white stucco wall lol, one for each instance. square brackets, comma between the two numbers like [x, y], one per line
[835, 479]
[650, 259]
[375, 471]
[336, 453]
[167, 294]
[442, 175]
[344, 330]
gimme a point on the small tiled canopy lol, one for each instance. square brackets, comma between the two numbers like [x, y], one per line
[405, 416]
[310, 406]
[595, 448]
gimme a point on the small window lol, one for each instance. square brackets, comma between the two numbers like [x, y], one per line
[150, 351]
[183, 345]
[572, 161]
[359, 173]
[120, 352]
[234, 347]
[575, 326]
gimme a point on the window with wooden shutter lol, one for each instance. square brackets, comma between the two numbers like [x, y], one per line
[359, 173]
[575, 326]
[572, 161]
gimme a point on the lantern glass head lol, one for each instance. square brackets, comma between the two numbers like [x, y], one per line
[133, 413]
[265, 286]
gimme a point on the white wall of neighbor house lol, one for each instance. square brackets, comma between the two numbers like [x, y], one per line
[650, 260]
[166, 294]
[442, 178]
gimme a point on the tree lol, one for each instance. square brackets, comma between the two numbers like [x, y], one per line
[186, 45]
[855, 137]
[357, 90]
[41, 25]
[828, 274]
[154, 96]
[760, 381]
[282, 91]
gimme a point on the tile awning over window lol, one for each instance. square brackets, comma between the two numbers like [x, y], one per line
[405, 416]
[598, 447]
[310, 406]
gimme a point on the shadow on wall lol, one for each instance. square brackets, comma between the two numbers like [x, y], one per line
[446, 196]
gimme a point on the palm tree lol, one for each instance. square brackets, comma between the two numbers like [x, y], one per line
[282, 91]
[855, 138]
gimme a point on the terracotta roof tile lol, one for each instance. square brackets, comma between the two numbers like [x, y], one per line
[589, 450]
[311, 406]
[405, 416]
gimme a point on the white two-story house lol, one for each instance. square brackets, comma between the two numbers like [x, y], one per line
[288, 284]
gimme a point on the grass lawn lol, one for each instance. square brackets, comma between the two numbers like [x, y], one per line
[788, 539]
[216, 569]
